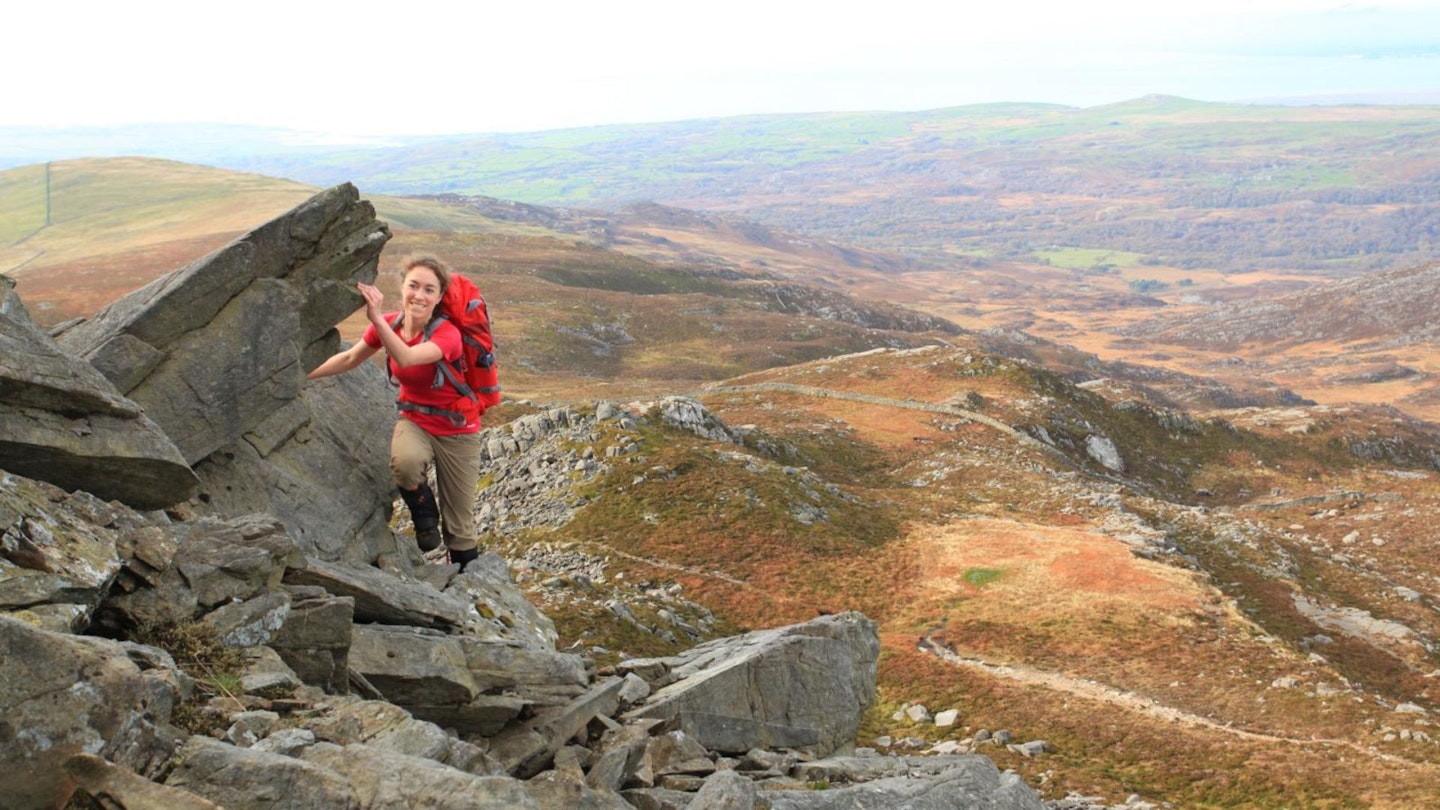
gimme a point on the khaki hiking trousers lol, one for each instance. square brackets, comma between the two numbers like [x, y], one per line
[457, 471]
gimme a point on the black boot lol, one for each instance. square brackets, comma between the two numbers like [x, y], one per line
[425, 516]
[465, 557]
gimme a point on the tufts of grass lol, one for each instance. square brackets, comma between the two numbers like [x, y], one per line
[197, 650]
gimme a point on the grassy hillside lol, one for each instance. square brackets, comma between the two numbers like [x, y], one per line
[1215, 625]
[116, 223]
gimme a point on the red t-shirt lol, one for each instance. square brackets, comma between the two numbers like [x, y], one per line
[417, 382]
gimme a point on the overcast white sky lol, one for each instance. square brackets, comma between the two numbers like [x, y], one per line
[438, 67]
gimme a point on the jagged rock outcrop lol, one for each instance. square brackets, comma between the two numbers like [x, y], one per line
[61, 421]
[216, 353]
[322, 464]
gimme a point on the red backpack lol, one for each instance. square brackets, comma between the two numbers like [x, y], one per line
[473, 373]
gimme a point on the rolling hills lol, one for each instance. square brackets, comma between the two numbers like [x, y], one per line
[1157, 182]
[1199, 583]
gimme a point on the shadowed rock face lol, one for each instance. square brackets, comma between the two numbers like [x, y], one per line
[62, 422]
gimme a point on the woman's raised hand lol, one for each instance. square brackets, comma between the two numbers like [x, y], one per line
[374, 299]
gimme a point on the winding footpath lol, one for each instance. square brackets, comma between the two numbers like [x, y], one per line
[1092, 690]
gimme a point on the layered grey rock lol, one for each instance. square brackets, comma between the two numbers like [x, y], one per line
[322, 462]
[381, 597]
[913, 783]
[802, 687]
[410, 666]
[314, 639]
[185, 570]
[62, 695]
[249, 779]
[385, 726]
[388, 780]
[60, 552]
[504, 612]
[216, 353]
[63, 422]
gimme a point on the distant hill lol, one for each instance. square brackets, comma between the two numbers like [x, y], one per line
[1385, 310]
[116, 223]
[1170, 183]
[1186, 184]
[1369, 339]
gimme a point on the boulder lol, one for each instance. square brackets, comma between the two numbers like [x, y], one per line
[314, 639]
[684, 413]
[108, 785]
[63, 422]
[252, 779]
[216, 353]
[265, 674]
[672, 753]
[190, 569]
[566, 789]
[504, 612]
[412, 666]
[387, 780]
[60, 551]
[63, 695]
[250, 622]
[725, 790]
[382, 597]
[914, 783]
[804, 687]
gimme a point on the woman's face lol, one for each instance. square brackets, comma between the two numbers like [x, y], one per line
[420, 292]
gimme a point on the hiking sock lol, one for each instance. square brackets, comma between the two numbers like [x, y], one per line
[425, 516]
[465, 557]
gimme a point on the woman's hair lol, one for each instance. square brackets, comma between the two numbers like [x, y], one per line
[431, 263]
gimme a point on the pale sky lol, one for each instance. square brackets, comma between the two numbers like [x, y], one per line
[366, 68]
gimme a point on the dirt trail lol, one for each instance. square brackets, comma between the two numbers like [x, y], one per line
[1091, 690]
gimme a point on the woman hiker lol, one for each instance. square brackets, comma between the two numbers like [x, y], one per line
[435, 425]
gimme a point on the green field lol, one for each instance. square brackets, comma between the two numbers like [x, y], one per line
[1086, 258]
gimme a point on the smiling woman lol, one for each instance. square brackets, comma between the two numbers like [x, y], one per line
[433, 430]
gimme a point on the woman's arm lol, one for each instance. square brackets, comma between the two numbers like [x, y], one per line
[343, 361]
[403, 354]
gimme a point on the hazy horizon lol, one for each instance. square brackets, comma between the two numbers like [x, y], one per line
[364, 70]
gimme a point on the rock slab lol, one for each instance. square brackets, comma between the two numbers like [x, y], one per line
[802, 686]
